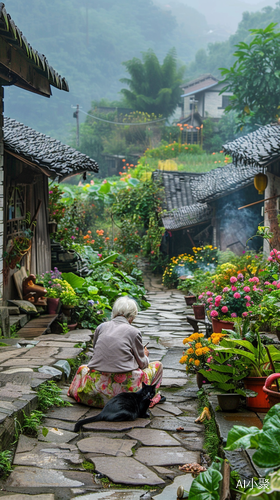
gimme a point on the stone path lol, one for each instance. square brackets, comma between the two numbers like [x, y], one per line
[146, 452]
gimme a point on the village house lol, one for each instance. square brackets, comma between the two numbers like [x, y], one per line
[204, 209]
[27, 158]
[201, 100]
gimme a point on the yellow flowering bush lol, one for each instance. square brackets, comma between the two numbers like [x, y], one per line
[199, 350]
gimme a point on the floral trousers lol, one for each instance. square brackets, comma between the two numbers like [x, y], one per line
[94, 388]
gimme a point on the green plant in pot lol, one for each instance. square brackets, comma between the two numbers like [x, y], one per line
[255, 364]
[18, 246]
[226, 375]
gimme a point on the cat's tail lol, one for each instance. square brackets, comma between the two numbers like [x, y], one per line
[84, 421]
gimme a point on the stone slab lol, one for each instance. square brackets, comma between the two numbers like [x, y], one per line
[170, 408]
[107, 446]
[22, 496]
[173, 423]
[68, 353]
[173, 382]
[191, 441]
[113, 495]
[126, 470]
[153, 437]
[166, 456]
[117, 426]
[56, 435]
[34, 477]
[169, 473]
[156, 411]
[45, 455]
[170, 492]
[169, 373]
[59, 424]
[71, 414]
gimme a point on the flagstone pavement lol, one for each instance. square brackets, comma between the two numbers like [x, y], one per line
[146, 452]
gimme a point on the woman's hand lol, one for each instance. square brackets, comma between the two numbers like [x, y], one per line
[146, 352]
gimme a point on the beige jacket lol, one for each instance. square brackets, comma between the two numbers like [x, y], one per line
[117, 347]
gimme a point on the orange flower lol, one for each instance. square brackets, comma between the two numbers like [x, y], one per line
[89, 232]
[92, 241]
[107, 238]
[115, 239]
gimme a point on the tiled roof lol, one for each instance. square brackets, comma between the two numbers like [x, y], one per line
[54, 157]
[202, 83]
[14, 37]
[222, 180]
[186, 216]
[258, 148]
[177, 188]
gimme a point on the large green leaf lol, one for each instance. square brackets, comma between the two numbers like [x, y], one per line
[206, 486]
[240, 437]
[107, 260]
[73, 280]
[105, 188]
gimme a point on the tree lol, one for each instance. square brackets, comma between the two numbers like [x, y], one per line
[254, 79]
[154, 88]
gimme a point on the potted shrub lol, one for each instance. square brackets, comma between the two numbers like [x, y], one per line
[197, 354]
[256, 366]
[272, 390]
[226, 376]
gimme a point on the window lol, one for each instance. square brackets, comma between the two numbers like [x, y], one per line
[225, 101]
[16, 209]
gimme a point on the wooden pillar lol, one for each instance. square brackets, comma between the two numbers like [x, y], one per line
[1, 191]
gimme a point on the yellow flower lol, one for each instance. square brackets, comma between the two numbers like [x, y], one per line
[191, 360]
[198, 345]
[190, 350]
[198, 352]
[201, 335]
[183, 359]
[197, 362]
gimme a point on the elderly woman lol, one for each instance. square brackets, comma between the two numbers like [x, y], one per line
[119, 362]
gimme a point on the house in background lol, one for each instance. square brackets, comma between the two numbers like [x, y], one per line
[27, 158]
[203, 209]
[201, 99]
[261, 150]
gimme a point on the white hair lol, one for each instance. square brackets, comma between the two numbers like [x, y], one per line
[124, 306]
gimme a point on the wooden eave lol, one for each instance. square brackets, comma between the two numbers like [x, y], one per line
[16, 69]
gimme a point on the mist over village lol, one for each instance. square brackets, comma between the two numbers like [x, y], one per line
[140, 250]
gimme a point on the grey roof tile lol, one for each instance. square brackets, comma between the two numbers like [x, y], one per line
[58, 159]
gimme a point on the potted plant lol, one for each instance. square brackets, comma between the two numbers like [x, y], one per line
[256, 366]
[226, 376]
[53, 295]
[197, 354]
[18, 246]
[199, 310]
[272, 390]
[68, 298]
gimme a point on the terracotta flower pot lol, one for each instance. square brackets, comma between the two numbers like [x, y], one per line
[72, 327]
[260, 402]
[199, 311]
[52, 305]
[67, 310]
[270, 389]
[190, 299]
[219, 325]
[228, 402]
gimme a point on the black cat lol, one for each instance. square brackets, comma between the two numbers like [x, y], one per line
[124, 406]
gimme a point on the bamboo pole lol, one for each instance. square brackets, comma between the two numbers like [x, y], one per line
[260, 201]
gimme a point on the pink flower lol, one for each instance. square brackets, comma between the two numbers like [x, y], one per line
[209, 359]
[99, 255]
[209, 293]
[119, 378]
[248, 304]
[245, 314]
[234, 288]
[233, 315]
[210, 307]
[270, 258]
[240, 276]
[214, 314]
[105, 181]
[247, 297]
[246, 289]
[266, 283]
[255, 288]
[224, 309]
[226, 289]
[218, 297]
[210, 300]
[50, 192]
[237, 295]
[200, 297]
[278, 285]
[233, 279]
[73, 237]
[274, 283]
